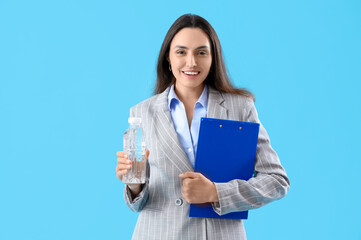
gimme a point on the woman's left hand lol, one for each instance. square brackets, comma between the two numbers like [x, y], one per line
[197, 188]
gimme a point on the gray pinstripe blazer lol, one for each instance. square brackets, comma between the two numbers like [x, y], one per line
[163, 211]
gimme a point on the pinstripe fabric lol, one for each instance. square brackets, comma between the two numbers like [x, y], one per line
[160, 217]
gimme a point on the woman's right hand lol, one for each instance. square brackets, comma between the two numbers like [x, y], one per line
[123, 166]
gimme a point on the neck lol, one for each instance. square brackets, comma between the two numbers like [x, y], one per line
[188, 95]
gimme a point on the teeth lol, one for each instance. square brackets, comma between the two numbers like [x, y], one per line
[191, 73]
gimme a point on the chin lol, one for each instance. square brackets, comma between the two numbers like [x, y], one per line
[194, 85]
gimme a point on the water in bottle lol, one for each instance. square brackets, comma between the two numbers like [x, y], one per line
[134, 146]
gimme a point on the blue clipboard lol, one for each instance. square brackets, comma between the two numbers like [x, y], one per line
[226, 150]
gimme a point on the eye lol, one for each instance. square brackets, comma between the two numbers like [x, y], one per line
[180, 52]
[202, 53]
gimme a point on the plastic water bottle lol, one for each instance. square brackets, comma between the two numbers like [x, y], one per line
[134, 146]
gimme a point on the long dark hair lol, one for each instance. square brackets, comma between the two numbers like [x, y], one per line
[217, 77]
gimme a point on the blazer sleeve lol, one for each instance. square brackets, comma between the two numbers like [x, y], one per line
[136, 203]
[269, 183]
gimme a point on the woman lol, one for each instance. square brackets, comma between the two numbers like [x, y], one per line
[192, 83]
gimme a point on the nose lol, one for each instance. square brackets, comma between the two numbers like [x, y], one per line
[191, 61]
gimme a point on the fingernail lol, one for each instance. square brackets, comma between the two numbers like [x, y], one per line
[125, 155]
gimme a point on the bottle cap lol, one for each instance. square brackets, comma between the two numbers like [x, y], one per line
[134, 121]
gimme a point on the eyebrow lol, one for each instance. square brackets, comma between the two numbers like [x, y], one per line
[183, 47]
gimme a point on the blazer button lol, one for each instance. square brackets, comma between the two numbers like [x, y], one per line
[178, 202]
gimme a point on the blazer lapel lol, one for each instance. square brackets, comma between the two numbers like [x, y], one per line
[215, 107]
[167, 135]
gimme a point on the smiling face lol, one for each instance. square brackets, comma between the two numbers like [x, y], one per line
[190, 58]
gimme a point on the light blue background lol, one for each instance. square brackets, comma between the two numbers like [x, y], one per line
[70, 71]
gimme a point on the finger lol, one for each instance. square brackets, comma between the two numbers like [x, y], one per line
[123, 161]
[186, 183]
[123, 166]
[121, 154]
[121, 173]
[189, 175]
[185, 197]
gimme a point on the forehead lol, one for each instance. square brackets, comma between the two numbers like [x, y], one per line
[191, 38]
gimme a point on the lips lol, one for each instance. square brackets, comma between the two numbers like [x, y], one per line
[191, 73]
